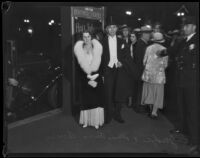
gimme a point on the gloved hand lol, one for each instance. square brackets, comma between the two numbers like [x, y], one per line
[119, 64]
[13, 81]
[92, 77]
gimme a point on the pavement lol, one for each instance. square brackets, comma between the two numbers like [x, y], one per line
[60, 133]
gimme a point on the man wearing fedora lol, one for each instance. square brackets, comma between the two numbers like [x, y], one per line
[187, 81]
[113, 48]
[140, 49]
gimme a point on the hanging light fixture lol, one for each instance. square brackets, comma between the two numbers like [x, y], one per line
[30, 30]
[26, 20]
[181, 11]
[52, 21]
[128, 12]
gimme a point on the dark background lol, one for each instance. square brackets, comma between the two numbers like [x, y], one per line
[47, 39]
[163, 12]
[54, 43]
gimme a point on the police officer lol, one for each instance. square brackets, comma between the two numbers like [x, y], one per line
[187, 78]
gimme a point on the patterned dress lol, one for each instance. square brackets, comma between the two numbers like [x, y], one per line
[154, 76]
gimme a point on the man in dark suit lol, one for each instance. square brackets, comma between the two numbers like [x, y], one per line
[112, 55]
[140, 49]
[187, 79]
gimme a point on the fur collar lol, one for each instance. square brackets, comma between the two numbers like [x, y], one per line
[88, 66]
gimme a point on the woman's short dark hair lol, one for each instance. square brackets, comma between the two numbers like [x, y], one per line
[90, 32]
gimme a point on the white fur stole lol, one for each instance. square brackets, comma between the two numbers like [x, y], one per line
[83, 59]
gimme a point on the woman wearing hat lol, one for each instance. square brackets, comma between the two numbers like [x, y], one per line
[154, 75]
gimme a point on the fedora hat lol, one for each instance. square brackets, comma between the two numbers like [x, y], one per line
[125, 26]
[190, 20]
[136, 30]
[158, 37]
[146, 29]
[174, 32]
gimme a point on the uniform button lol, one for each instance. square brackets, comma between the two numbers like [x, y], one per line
[193, 65]
[181, 56]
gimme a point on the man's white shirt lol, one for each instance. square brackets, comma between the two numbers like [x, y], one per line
[112, 43]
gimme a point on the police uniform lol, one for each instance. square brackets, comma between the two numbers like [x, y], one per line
[187, 78]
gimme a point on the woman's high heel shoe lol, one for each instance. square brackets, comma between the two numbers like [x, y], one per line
[155, 117]
[84, 126]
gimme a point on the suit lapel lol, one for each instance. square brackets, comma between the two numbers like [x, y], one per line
[117, 44]
[118, 47]
[107, 49]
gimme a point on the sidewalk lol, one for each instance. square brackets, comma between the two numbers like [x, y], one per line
[62, 134]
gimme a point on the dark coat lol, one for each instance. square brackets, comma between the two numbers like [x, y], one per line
[124, 86]
[134, 47]
[106, 53]
[91, 97]
[110, 78]
[187, 81]
[127, 44]
[139, 56]
[129, 63]
[187, 64]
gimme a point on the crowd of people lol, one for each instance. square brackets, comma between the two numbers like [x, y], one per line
[127, 67]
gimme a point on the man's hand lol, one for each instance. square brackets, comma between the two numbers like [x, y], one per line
[13, 81]
[119, 64]
[92, 83]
